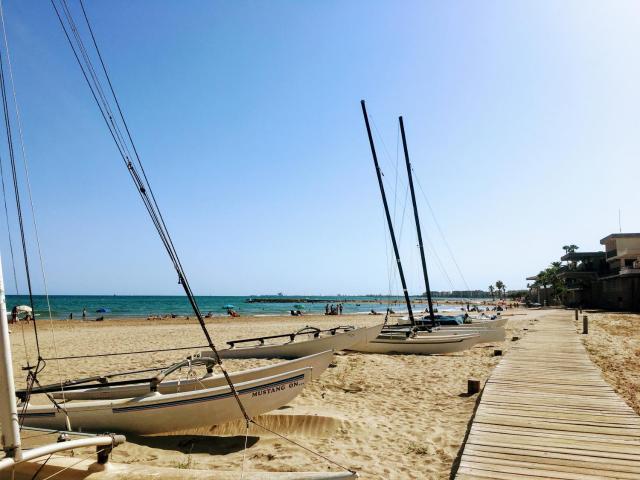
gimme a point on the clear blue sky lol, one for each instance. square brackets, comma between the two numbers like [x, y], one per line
[522, 123]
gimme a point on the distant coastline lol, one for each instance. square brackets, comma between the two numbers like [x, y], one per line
[127, 306]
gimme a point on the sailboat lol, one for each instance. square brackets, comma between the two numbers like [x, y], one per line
[487, 330]
[158, 411]
[318, 363]
[306, 341]
[407, 339]
[153, 411]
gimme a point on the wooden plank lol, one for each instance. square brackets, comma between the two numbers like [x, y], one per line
[561, 447]
[548, 456]
[574, 416]
[529, 470]
[478, 473]
[520, 461]
[631, 441]
[515, 421]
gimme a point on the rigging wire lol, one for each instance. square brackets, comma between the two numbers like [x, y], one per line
[433, 215]
[141, 182]
[6, 214]
[30, 195]
[14, 174]
[439, 263]
[392, 270]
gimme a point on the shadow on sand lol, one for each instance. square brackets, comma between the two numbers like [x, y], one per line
[211, 444]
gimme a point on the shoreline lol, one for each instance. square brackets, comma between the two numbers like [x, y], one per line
[398, 306]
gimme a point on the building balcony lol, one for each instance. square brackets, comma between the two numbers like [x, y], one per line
[629, 271]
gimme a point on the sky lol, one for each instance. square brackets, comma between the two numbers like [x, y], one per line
[521, 122]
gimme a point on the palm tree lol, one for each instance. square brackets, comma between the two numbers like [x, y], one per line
[499, 286]
[570, 248]
[491, 290]
[544, 280]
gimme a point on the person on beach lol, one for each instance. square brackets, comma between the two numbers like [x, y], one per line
[71, 316]
[340, 308]
[326, 309]
[14, 314]
[84, 313]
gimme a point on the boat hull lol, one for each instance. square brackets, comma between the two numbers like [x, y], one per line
[157, 413]
[66, 467]
[337, 342]
[485, 335]
[317, 362]
[418, 345]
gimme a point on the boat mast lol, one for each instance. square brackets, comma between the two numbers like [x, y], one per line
[8, 410]
[415, 214]
[386, 211]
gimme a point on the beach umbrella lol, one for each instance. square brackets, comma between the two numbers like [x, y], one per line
[298, 306]
[23, 309]
[228, 306]
[103, 310]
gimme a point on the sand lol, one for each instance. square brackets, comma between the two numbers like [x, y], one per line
[387, 416]
[613, 344]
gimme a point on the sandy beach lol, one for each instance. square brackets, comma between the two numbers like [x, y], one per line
[613, 344]
[387, 416]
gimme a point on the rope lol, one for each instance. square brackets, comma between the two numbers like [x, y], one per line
[83, 459]
[244, 451]
[133, 352]
[293, 442]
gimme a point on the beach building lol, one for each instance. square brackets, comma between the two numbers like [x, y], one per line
[539, 293]
[608, 279]
[619, 288]
[580, 276]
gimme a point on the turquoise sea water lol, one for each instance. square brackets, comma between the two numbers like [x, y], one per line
[143, 306]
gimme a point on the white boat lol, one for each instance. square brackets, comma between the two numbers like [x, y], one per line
[317, 362]
[66, 467]
[399, 342]
[160, 413]
[474, 323]
[304, 342]
[485, 335]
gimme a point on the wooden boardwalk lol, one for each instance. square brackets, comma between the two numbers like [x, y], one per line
[546, 412]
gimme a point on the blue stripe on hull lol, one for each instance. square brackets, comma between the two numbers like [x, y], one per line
[189, 401]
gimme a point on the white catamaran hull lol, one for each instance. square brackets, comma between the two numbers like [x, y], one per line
[157, 413]
[337, 342]
[317, 362]
[418, 345]
[485, 335]
[476, 323]
[69, 468]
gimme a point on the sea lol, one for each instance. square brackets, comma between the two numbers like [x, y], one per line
[62, 306]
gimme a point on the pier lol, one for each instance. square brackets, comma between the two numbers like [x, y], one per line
[546, 412]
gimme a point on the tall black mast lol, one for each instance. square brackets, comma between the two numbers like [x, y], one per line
[386, 211]
[415, 214]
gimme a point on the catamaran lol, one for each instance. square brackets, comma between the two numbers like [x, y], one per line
[306, 341]
[154, 411]
[407, 339]
[102, 389]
